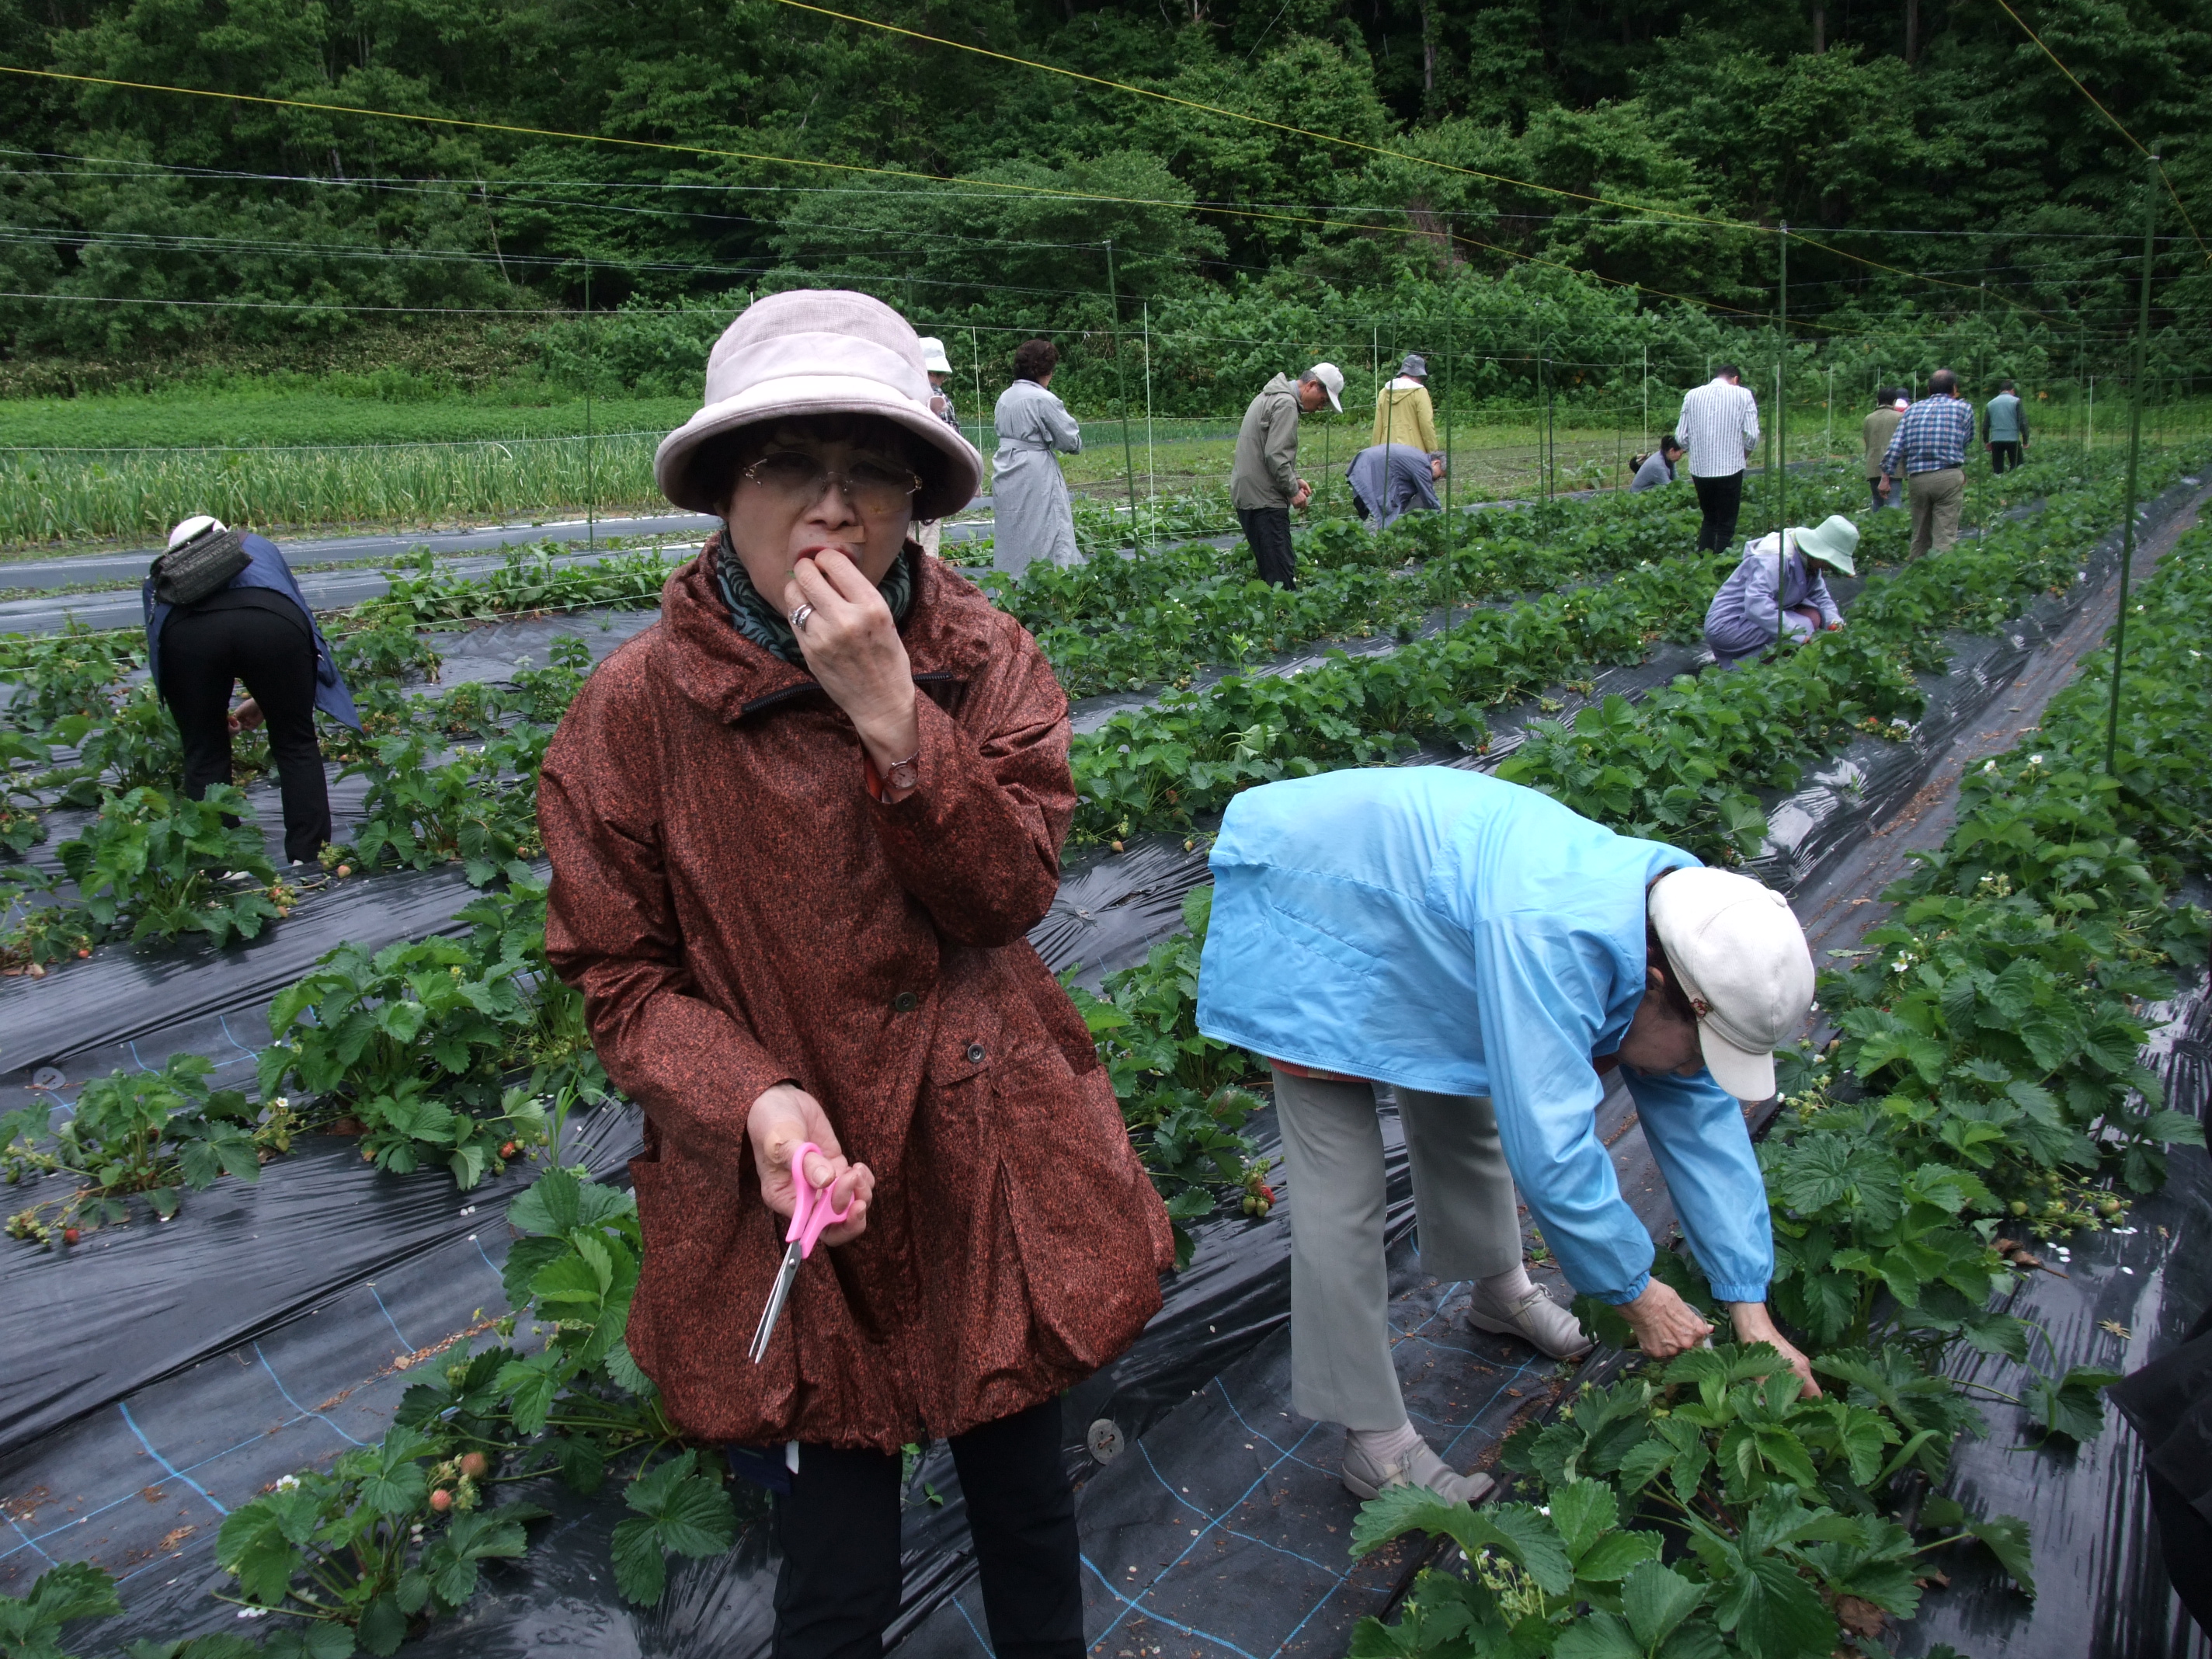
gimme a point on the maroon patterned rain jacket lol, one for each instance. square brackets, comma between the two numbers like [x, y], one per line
[738, 912]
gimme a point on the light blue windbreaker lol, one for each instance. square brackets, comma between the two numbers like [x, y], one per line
[1442, 931]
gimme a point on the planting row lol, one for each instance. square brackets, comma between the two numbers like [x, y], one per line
[1681, 766]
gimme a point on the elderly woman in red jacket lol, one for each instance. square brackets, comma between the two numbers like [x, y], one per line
[799, 830]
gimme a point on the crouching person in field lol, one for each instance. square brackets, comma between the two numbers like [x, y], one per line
[1771, 595]
[1491, 955]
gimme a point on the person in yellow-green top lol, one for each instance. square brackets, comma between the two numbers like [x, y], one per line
[1402, 412]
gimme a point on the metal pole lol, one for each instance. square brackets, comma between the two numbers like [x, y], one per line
[975, 369]
[1151, 463]
[2135, 449]
[1451, 518]
[1646, 428]
[1121, 385]
[1782, 438]
[590, 469]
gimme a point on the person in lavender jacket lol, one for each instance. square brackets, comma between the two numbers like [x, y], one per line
[258, 629]
[1741, 622]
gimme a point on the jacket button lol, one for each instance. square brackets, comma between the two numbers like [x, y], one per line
[906, 1002]
[975, 1054]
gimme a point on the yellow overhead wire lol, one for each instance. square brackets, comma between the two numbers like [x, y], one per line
[2118, 126]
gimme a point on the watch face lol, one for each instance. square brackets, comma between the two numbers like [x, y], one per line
[905, 775]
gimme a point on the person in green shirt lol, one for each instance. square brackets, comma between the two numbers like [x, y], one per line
[2004, 429]
[1878, 429]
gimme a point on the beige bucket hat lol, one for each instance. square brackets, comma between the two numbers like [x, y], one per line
[818, 351]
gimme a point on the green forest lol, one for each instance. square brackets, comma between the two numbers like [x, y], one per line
[1577, 178]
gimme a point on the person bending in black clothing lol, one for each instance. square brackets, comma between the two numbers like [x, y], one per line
[259, 631]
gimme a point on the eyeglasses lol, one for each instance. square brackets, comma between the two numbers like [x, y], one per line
[876, 489]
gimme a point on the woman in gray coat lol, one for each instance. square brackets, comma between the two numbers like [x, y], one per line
[1029, 496]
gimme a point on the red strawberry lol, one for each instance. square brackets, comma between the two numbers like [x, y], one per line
[441, 1500]
[474, 1465]
[69, 1235]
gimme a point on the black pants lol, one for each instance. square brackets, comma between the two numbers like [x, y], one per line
[1720, 500]
[203, 652]
[839, 1532]
[2003, 456]
[1268, 530]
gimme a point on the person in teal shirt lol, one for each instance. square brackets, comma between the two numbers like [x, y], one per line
[2004, 429]
[1490, 954]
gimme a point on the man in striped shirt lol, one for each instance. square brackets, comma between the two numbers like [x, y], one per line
[1720, 428]
[1930, 449]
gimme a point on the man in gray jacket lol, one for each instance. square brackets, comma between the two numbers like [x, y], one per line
[1263, 482]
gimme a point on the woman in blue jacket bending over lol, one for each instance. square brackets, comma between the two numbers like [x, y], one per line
[1490, 955]
[259, 630]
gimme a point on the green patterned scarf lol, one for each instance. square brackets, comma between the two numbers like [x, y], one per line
[767, 628]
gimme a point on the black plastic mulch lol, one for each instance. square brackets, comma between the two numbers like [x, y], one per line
[274, 1325]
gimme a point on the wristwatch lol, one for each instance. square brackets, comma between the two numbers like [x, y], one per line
[906, 774]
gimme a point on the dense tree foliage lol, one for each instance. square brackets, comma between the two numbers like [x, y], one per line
[1636, 142]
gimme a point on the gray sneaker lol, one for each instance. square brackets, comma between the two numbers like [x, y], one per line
[1364, 1479]
[1535, 1318]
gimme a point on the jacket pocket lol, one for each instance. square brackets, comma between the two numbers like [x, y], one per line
[1082, 1207]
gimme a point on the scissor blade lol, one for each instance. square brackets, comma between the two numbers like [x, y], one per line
[766, 1329]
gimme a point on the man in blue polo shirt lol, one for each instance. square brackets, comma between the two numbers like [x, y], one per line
[1489, 953]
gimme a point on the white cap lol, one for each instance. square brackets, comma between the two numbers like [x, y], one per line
[934, 360]
[1742, 959]
[1331, 381]
[192, 528]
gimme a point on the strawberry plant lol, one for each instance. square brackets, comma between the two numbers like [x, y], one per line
[1711, 1509]
[71, 672]
[478, 807]
[152, 1135]
[21, 759]
[130, 743]
[386, 651]
[526, 581]
[31, 1626]
[393, 1537]
[1178, 1089]
[168, 866]
[419, 1042]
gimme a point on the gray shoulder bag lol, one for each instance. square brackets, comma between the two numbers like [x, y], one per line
[204, 565]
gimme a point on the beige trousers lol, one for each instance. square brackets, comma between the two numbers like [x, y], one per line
[1936, 499]
[1469, 1227]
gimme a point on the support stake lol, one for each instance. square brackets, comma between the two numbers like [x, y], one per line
[2134, 451]
[1122, 383]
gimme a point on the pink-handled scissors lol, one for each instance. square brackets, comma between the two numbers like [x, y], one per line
[808, 1218]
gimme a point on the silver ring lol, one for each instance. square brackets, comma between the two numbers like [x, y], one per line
[799, 618]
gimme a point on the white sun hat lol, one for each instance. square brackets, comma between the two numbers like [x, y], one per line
[1331, 381]
[192, 528]
[818, 351]
[1742, 959]
[934, 360]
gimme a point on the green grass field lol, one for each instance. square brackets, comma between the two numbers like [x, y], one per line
[172, 419]
[114, 470]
